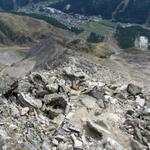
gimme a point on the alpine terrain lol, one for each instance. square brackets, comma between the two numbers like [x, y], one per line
[74, 75]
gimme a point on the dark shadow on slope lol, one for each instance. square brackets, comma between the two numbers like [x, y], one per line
[48, 54]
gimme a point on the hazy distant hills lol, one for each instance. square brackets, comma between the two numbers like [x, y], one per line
[134, 11]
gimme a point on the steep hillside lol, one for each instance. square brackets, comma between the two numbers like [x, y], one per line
[22, 29]
[89, 7]
[136, 11]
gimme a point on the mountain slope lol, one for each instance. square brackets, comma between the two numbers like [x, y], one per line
[135, 11]
[22, 29]
[89, 7]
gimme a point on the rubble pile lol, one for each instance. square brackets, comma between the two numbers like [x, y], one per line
[66, 109]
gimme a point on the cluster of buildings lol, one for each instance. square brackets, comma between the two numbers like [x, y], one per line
[69, 20]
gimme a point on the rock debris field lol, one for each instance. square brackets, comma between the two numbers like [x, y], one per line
[77, 106]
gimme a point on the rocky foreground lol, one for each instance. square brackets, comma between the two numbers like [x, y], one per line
[78, 105]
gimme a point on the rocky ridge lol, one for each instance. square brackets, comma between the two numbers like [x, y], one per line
[74, 106]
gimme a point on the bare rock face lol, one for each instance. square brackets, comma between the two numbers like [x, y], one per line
[133, 89]
[97, 92]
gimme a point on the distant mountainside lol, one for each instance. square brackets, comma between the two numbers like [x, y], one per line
[11, 4]
[22, 30]
[134, 11]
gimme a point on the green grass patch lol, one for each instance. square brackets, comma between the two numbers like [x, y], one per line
[102, 27]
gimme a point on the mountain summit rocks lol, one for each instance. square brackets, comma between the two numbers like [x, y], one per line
[46, 110]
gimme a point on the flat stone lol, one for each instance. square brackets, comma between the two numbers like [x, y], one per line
[59, 119]
[121, 92]
[4, 135]
[74, 129]
[100, 103]
[70, 147]
[148, 145]
[113, 100]
[13, 127]
[99, 129]
[14, 110]
[24, 110]
[137, 146]
[146, 111]
[77, 144]
[43, 119]
[133, 89]
[53, 87]
[110, 99]
[60, 137]
[62, 146]
[97, 92]
[88, 101]
[55, 142]
[121, 88]
[94, 83]
[41, 93]
[28, 101]
[74, 72]
[140, 101]
[106, 98]
[54, 148]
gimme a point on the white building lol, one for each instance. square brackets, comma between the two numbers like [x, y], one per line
[142, 42]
